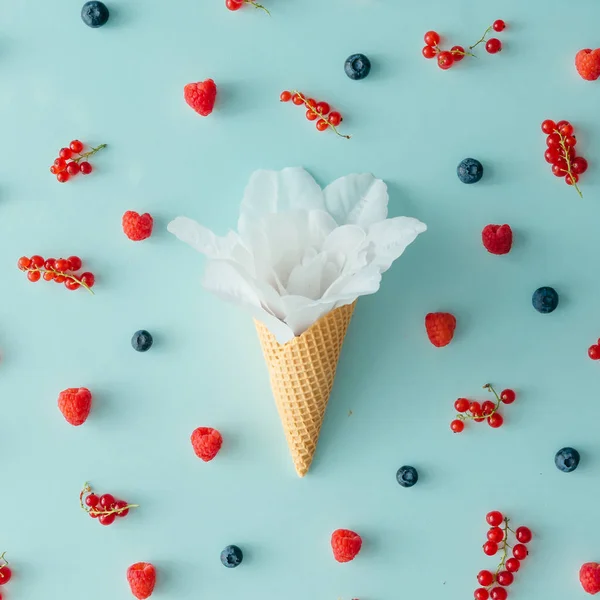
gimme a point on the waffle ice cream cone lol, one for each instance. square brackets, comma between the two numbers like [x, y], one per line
[302, 374]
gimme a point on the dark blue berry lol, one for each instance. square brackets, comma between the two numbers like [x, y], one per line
[94, 14]
[357, 66]
[545, 299]
[407, 476]
[567, 460]
[141, 340]
[232, 557]
[469, 170]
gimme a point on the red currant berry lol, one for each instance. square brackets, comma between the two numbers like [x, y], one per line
[561, 124]
[76, 146]
[33, 276]
[60, 279]
[495, 534]
[493, 45]
[520, 551]
[37, 262]
[322, 125]
[61, 265]
[553, 140]
[92, 500]
[490, 548]
[548, 126]
[311, 115]
[233, 4]
[570, 140]
[481, 594]
[523, 535]
[487, 408]
[499, 25]
[498, 593]
[478, 417]
[560, 168]
[87, 279]
[579, 165]
[495, 421]
[62, 177]
[432, 38]
[53, 170]
[551, 155]
[107, 519]
[429, 52]
[572, 179]
[505, 578]
[475, 407]
[5, 575]
[445, 60]
[121, 506]
[50, 263]
[106, 501]
[60, 164]
[73, 168]
[311, 103]
[48, 276]
[24, 263]
[297, 99]
[485, 578]
[462, 405]
[71, 284]
[65, 153]
[566, 129]
[85, 167]
[512, 565]
[335, 118]
[508, 396]
[594, 352]
[285, 96]
[494, 518]
[323, 108]
[457, 426]
[75, 263]
[458, 52]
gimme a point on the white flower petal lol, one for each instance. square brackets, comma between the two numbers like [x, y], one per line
[202, 239]
[390, 238]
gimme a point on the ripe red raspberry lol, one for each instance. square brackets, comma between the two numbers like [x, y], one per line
[589, 576]
[345, 545]
[497, 239]
[75, 405]
[137, 227]
[587, 63]
[201, 96]
[142, 579]
[206, 442]
[440, 328]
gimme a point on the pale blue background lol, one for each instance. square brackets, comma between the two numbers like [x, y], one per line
[412, 124]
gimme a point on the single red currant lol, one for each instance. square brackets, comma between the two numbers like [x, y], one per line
[458, 52]
[297, 99]
[493, 45]
[570, 140]
[106, 501]
[92, 500]
[481, 594]
[490, 548]
[552, 155]
[505, 578]
[87, 279]
[512, 565]
[498, 593]
[485, 578]
[432, 38]
[553, 140]
[285, 96]
[23, 263]
[579, 165]
[62, 177]
[566, 129]
[61, 265]
[335, 118]
[37, 262]
[560, 168]
[121, 506]
[523, 535]
[60, 164]
[50, 263]
[499, 25]
[76, 146]
[322, 125]
[75, 263]
[508, 396]
[311, 102]
[561, 124]
[49, 276]
[73, 168]
[475, 407]
[107, 519]
[462, 405]
[53, 170]
[85, 167]
[487, 408]
[494, 518]
[33, 276]
[457, 426]
[65, 153]
[60, 279]
[495, 421]
[478, 417]
[520, 551]
[572, 179]
[5, 575]
[311, 115]
[429, 52]
[594, 352]
[548, 126]
[445, 60]
[234, 4]
[322, 108]
[495, 534]
[71, 284]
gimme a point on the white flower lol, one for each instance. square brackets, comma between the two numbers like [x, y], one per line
[301, 251]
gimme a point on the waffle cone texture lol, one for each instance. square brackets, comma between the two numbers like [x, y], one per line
[302, 372]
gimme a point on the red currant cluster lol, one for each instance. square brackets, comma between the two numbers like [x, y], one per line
[493, 585]
[237, 4]
[479, 412]
[594, 351]
[71, 161]
[61, 270]
[5, 572]
[316, 111]
[105, 508]
[446, 58]
[561, 153]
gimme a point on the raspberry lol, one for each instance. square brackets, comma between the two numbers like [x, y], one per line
[142, 579]
[206, 442]
[587, 63]
[589, 576]
[137, 227]
[345, 545]
[440, 328]
[497, 239]
[75, 405]
[201, 96]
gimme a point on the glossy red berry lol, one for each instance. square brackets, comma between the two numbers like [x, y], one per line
[335, 118]
[85, 167]
[53, 170]
[548, 126]
[107, 519]
[561, 124]
[311, 115]
[462, 405]
[566, 129]
[50, 263]
[62, 177]
[72, 168]
[520, 551]
[33, 276]
[432, 38]
[475, 407]
[322, 125]
[75, 263]
[485, 578]
[234, 4]
[92, 500]
[570, 140]
[523, 535]
[71, 284]
[5, 575]
[61, 265]
[505, 578]
[551, 155]
[481, 594]
[487, 408]
[88, 279]
[60, 164]
[429, 52]
[508, 396]
[499, 25]
[594, 352]
[106, 501]
[37, 262]
[322, 108]
[65, 153]
[493, 46]
[553, 140]
[572, 179]
[23, 263]
[311, 102]
[60, 279]
[498, 593]
[495, 421]
[490, 548]
[49, 276]
[579, 165]
[297, 100]
[457, 426]
[495, 534]
[494, 518]
[512, 565]
[445, 60]
[285, 96]
[121, 506]
[76, 146]
[458, 52]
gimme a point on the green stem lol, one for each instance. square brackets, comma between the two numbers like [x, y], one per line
[257, 5]
[482, 39]
[320, 115]
[86, 155]
[567, 158]
[66, 275]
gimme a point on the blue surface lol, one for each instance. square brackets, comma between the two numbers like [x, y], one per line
[412, 124]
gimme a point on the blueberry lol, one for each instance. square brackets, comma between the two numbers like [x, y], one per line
[357, 66]
[141, 341]
[232, 557]
[94, 14]
[469, 170]
[545, 299]
[407, 476]
[567, 460]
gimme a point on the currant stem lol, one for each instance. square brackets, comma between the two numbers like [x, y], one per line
[320, 115]
[93, 151]
[73, 277]
[4, 561]
[505, 547]
[567, 158]
[257, 5]
[489, 388]
[482, 39]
